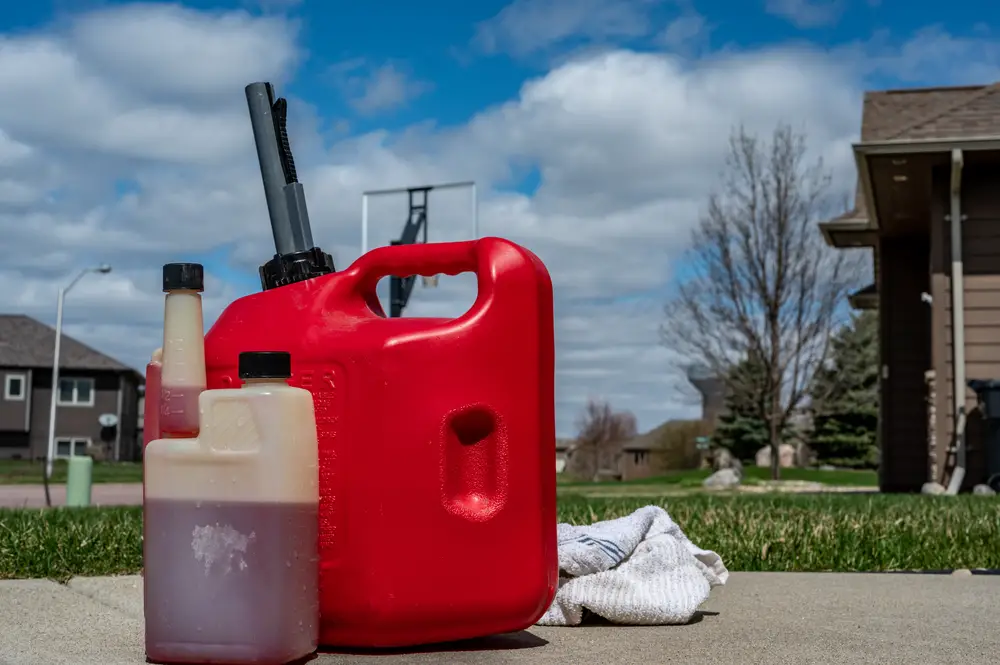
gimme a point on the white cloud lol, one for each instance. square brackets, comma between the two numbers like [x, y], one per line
[372, 90]
[686, 32]
[527, 26]
[807, 13]
[627, 146]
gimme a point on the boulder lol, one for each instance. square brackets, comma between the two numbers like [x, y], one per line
[984, 490]
[787, 455]
[722, 479]
[722, 458]
[932, 489]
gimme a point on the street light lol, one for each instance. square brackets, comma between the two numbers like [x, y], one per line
[102, 269]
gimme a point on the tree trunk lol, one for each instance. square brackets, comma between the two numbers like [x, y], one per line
[775, 435]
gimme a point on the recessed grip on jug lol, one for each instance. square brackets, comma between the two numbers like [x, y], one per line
[444, 258]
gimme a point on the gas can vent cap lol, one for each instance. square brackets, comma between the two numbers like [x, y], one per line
[265, 365]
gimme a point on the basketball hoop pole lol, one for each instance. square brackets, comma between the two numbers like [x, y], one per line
[428, 188]
[400, 286]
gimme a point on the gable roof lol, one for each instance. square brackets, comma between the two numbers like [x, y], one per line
[25, 342]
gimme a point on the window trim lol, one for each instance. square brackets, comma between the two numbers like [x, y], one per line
[24, 387]
[73, 442]
[93, 390]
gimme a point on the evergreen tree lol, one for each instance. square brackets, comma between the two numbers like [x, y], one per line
[743, 427]
[845, 397]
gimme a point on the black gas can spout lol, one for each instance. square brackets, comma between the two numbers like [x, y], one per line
[296, 257]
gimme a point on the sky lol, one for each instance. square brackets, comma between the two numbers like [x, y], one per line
[594, 129]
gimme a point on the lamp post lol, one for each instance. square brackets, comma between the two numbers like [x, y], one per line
[103, 269]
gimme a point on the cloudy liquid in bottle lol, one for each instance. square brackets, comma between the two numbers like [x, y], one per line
[231, 581]
[182, 377]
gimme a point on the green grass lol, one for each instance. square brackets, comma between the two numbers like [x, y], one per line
[24, 472]
[834, 532]
[826, 532]
[64, 542]
[752, 475]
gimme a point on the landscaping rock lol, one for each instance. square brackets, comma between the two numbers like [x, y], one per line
[932, 489]
[984, 490]
[722, 479]
[786, 456]
[737, 466]
[827, 467]
[722, 459]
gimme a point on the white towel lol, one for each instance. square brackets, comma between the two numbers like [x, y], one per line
[640, 570]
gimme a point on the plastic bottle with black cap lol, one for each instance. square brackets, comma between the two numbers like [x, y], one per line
[182, 377]
[250, 481]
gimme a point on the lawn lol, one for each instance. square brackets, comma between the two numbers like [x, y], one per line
[22, 472]
[840, 532]
[685, 482]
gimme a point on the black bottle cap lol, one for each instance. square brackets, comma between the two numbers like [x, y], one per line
[183, 277]
[295, 267]
[265, 365]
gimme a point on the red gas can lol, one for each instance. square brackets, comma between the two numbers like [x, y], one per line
[436, 441]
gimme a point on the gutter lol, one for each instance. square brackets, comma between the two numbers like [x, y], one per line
[957, 322]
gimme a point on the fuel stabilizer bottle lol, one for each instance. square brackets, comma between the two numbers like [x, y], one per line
[231, 527]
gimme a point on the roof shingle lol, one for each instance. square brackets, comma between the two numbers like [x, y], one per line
[25, 342]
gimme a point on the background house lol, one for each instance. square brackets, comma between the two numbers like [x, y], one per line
[91, 384]
[928, 167]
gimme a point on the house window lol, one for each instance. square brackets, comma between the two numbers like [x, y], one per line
[72, 446]
[14, 387]
[76, 392]
[639, 457]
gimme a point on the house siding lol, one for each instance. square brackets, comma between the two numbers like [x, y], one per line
[981, 266]
[74, 421]
[635, 464]
[130, 430]
[905, 352]
[13, 416]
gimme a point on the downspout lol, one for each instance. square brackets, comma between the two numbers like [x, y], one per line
[957, 322]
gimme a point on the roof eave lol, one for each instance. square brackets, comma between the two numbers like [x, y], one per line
[865, 149]
[849, 233]
[863, 301]
[917, 146]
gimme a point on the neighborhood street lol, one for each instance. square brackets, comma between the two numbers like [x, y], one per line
[102, 494]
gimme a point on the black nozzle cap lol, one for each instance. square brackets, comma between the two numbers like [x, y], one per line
[286, 269]
[183, 277]
[265, 365]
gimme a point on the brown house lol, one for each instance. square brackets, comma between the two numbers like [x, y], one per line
[91, 384]
[929, 207]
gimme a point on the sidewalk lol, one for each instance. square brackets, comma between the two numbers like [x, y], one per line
[101, 494]
[773, 618]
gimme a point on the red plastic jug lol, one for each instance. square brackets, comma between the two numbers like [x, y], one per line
[436, 441]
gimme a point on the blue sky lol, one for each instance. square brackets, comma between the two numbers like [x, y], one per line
[595, 129]
[433, 42]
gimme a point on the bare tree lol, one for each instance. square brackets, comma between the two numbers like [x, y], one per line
[600, 435]
[763, 285]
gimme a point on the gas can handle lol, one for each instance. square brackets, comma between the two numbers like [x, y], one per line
[426, 260]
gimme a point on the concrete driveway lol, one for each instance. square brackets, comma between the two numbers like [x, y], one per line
[772, 618]
[102, 494]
